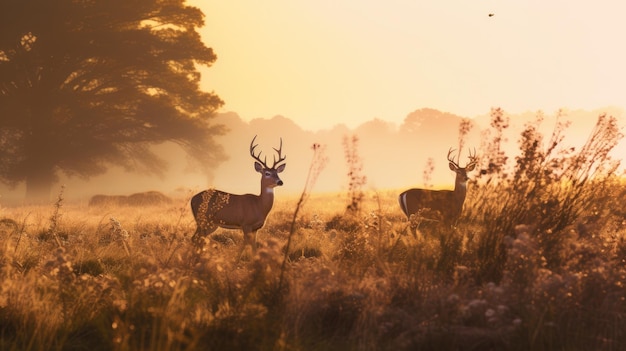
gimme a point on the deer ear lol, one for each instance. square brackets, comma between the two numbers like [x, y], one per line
[452, 166]
[258, 167]
[281, 168]
[470, 167]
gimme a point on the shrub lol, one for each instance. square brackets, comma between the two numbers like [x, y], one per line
[550, 188]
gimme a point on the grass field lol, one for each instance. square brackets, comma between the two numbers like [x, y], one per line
[537, 261]
[127, 278]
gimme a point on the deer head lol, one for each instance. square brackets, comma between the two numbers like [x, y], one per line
[270, 177]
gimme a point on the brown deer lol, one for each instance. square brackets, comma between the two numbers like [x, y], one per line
[214, 208]
[446, 203]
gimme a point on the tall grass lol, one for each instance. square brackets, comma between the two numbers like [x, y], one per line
[550, 187]
[535, 263]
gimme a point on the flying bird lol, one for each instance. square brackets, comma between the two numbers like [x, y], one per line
[491, 14]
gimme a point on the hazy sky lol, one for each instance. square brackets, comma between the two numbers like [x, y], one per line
[325, 62]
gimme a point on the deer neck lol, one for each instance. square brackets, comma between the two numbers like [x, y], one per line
[460, 190]
[266, 199]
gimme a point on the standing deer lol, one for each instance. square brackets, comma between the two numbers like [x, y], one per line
[448, 203]
[214, 208]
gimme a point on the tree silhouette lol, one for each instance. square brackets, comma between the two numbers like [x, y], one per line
[85, 84]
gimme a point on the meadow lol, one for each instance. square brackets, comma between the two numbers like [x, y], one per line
[536, 262]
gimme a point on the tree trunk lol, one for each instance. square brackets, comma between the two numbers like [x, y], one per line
[40, 149]
[38, 186]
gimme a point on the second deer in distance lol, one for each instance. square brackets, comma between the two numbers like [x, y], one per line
[444, 204]
[214, 208]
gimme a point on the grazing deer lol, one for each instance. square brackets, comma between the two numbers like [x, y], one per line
[448, 203]
[214, 208]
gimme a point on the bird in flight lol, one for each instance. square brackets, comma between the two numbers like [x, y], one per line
[491, 14]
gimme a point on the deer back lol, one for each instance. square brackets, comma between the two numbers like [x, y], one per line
[218, 208]
[446, 202]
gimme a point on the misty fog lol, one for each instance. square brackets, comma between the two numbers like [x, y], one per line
[394, 156]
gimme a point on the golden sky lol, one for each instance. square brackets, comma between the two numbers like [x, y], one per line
[325, 62]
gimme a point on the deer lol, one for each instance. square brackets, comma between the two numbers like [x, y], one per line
[215, 208]
[447, 203]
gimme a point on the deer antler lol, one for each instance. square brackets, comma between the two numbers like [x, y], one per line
[256, 157]
[472, 158]
[450, 151]
[281, 158]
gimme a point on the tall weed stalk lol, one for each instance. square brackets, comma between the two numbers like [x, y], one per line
[317, 165]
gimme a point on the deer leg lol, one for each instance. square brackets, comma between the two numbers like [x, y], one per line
[413, 224]
[249, 239]
[243, 247]
[201, 232]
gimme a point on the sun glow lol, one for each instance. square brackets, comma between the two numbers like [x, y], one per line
[323, 62]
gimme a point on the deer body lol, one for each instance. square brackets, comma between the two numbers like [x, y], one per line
[215, 208]
[447, 203]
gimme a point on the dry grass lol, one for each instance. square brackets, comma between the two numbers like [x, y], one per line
[129, 279]
[537, 262]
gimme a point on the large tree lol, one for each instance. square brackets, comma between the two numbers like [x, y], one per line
[85, 84]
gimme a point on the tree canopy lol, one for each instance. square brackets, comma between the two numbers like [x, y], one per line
[85, 84]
